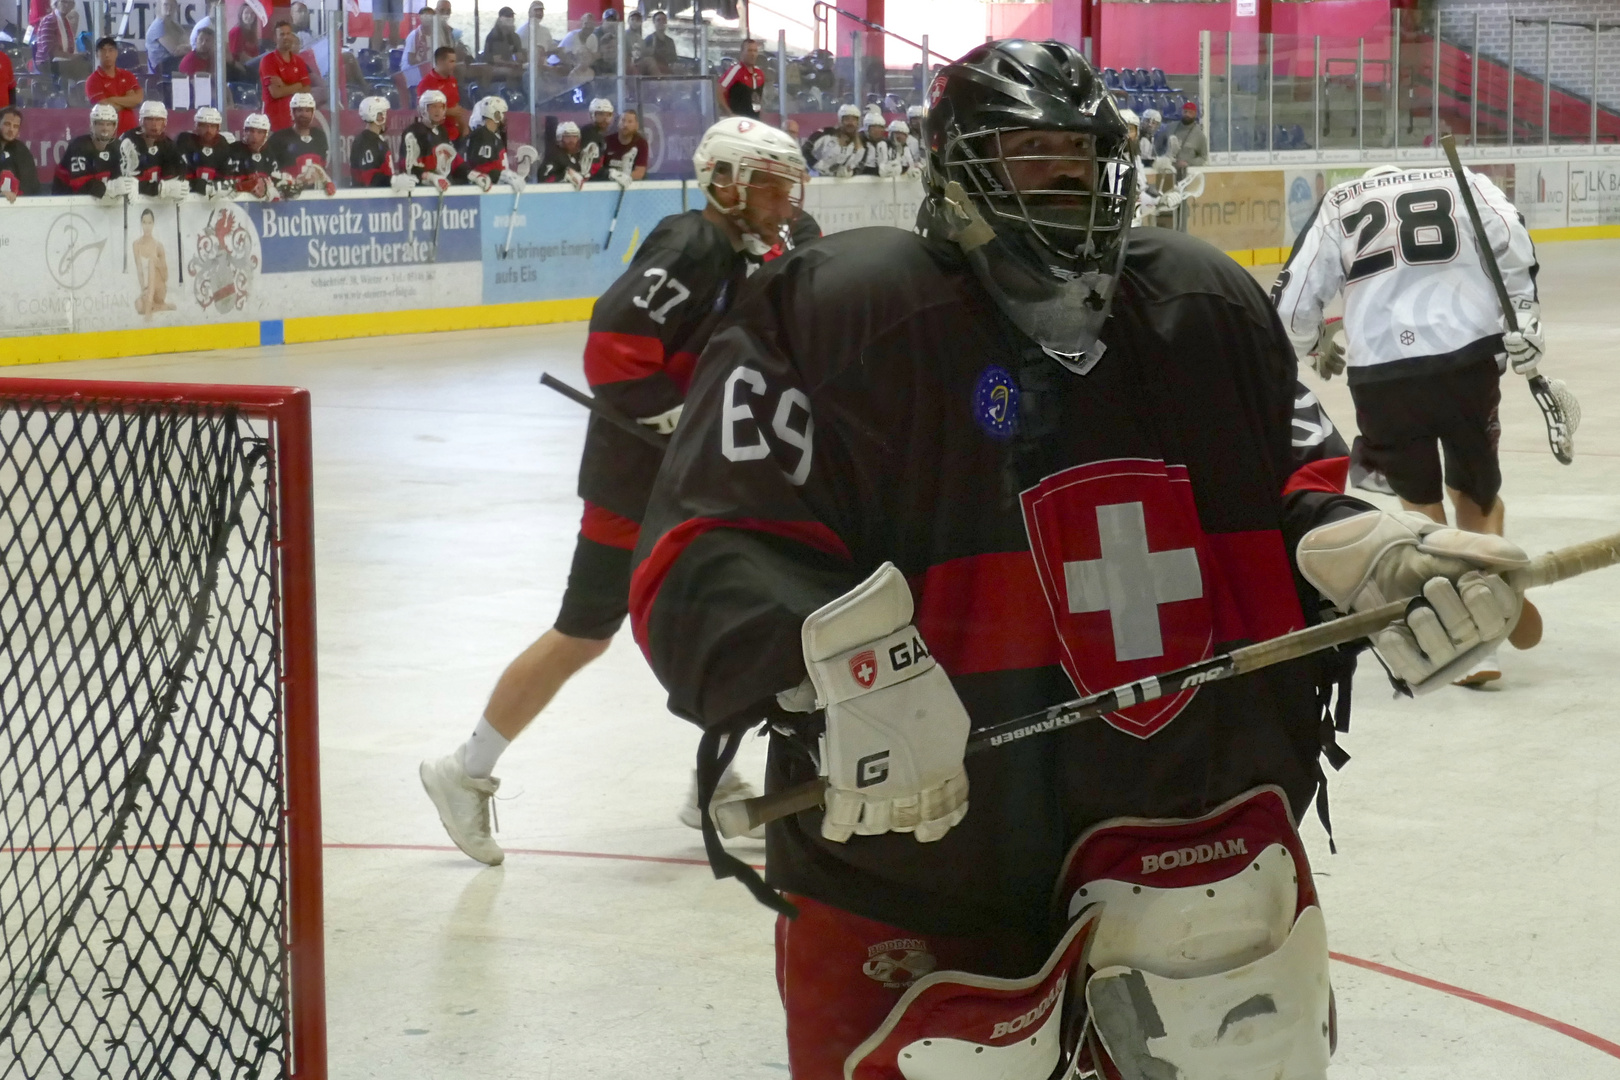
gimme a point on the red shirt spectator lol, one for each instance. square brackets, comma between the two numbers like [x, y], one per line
[200, 60]
[286, 65]
[446, 85]
[742, 80]
[53, 36]
[8, 82]
[109, 83]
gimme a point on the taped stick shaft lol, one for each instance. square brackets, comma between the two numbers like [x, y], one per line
[736, 818]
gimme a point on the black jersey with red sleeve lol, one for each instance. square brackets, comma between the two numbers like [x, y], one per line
[160, 160]
[486, 154]
[645, 335]
[865, 401]
[204, 162]
[370, 163]
[419, 152]
[250, 168]
[84, 169]
[293, 153]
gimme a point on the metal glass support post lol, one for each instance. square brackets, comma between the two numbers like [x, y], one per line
[1597, 36]
[535, 134]
[1434, 89]
[1546, 87]
[1513, 73]
[1316, 92]
[1473, 87]
[478, 33]
[922, 91]
[1229, 147]
[857, 65]
[216, 20]
[1271, 91]
[1392, 81]
[336, 30]
[1203, 83]
[622, 59]
[703, 46]
[781, 80]
[1361, 94]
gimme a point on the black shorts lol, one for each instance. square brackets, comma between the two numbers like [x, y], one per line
[598, 594]
[1403, 419]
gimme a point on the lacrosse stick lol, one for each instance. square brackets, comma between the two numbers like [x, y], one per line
[129, 164]
[626, 163]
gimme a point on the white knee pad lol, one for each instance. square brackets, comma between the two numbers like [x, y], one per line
[1209, 960]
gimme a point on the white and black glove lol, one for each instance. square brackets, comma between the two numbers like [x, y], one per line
[222, 189]
[173, 189]
[119, 187]
[896, 731]
[1525, 345]
[664, 423]
[513, 180]
[1374, 558]
[481, 181]
[402, 182]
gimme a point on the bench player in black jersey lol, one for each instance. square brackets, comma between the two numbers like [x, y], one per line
[370, 162]
[206, 153]
[645, 335]
[925, 483]
[90, 165]
[252, 165]
[160, 170]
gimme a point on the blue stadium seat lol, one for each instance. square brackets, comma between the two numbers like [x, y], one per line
[1159, 81]
[1127, 80]
[1111, 79]
[396, 57]
[1299, 140]
[373, 64]
[1143, 79]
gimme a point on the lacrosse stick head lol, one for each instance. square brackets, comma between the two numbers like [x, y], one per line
[1562, 411]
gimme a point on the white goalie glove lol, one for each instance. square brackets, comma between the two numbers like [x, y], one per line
[173, 189]
[664, 423]
[1525, 345]
[402, 182]
[1374, 558]
[119, 187]
[481, 181]
[524, 158]
[315, 176]
[513, 180]
[896, 731]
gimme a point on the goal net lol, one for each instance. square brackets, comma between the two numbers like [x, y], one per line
[160, 882]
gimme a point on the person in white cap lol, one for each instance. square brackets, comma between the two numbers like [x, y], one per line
[252, 166]
[427, 152]
[206, 153]
[301, 150]
[569, 157]
[487, 161]
[639, 358]
[601, 123]
[159, 169]
[370, 162]
[90, 162]
[835, 151]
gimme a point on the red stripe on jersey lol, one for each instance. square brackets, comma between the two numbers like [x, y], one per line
[606, 527]
[1250, 583]
[680, 369]
[611, 357]
[649, 577]
[1328, 474]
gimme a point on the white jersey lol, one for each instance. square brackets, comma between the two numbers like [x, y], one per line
[1402, 248]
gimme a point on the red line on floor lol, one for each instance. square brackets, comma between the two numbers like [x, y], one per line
[669, 859]
[1596, 1042]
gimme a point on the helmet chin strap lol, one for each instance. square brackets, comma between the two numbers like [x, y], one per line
[751, 241]
[1063, 317]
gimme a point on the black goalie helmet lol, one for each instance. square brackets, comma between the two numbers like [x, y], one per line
[1029, 169]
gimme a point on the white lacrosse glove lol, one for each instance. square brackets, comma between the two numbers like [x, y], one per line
[438, 183]
[664, 423]
[843, 171]
[119, 187]
[524, 158]
[1327, 358]
[173, 189]
[481, 181]
[889, 169]
[513, 180]
[896, 731]
[1525, 345]
[620, 177]
[576, 178]
[402, 182]
[1374, 558]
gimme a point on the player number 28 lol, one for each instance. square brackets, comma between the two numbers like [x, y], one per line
[1427, 233]
[742, 437]
[677, 293]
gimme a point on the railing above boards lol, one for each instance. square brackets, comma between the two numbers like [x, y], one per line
[824, 38]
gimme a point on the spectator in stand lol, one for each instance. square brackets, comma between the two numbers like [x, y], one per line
[569, 158]
[835, 151]
[624, 153]
[17, 173]
[503, 48]
[200, 60]
[385, 13]
[740, 86]
[282, 74]
[8, 82]
[607, 44]
[299, 17]
[582, 45]
[245, 43]
[1190, 146]
[443, 79]
[111, 85]
[537, 11]
[55, 50]
[601, 123]
[167, 38]
[90, 164]
[660, 46]
[418, 58]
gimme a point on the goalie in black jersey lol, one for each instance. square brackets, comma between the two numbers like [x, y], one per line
[638, 360]
[930, 482]
[370, 162]
[206, 154]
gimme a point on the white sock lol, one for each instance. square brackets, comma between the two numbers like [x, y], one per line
[484, 749]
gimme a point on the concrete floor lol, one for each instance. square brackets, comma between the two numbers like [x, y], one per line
[1478, 832]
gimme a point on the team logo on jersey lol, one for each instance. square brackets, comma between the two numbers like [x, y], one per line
[863, 668]
[936, 91]
[1120, 555]
[995, 402]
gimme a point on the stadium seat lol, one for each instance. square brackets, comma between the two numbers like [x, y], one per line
[1297, 137]
[128, 58]
[373, 64]
[1111, 79]
[245, 95]
[357, 94]
[517, 101]
[76, 96]
[1143, 79]
[396, 57]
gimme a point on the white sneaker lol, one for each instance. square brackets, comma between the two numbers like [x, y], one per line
[463, 804]
[1484, 671]
[730, 789]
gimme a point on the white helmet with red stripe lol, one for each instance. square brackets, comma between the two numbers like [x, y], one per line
[742, 150]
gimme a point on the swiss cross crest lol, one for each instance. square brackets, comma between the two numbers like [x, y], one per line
[1120, 555]
[863, 668]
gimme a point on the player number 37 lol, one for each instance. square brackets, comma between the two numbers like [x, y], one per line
[743, 437]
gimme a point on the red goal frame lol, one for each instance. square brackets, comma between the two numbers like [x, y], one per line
[287, 409]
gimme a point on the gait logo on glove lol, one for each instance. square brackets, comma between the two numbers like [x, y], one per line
[863, 668]
[904, 655]
[872, 769]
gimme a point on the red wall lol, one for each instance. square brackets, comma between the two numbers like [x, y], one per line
[1166, 35]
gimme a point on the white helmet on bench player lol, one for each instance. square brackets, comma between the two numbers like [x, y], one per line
[302, 101]
[374, 109]
[489, 108]
[741, 151]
